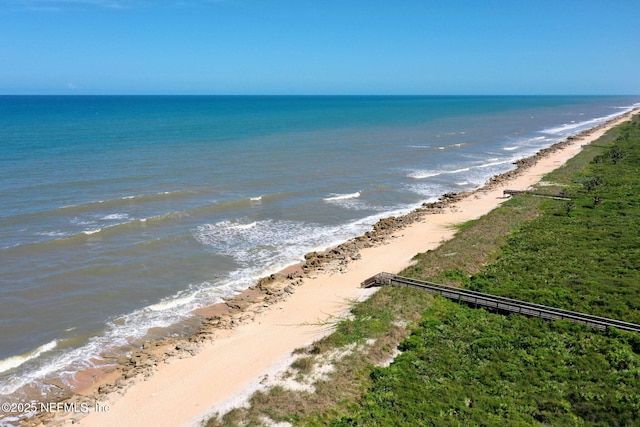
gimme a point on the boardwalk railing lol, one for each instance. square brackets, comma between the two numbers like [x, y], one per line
[492, 302]
[533, 193]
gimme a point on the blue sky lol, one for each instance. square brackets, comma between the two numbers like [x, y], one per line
[319, 47]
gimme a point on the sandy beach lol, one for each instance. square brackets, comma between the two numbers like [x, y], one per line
[228, 366]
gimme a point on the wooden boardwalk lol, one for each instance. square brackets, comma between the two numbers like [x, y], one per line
[500, 304]
[533, 193]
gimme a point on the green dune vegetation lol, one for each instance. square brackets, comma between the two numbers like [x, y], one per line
[460, 366]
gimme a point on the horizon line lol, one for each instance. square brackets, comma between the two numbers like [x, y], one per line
[310, 95]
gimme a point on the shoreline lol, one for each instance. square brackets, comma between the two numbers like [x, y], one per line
[179, 381]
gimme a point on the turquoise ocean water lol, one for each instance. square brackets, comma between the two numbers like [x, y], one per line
[121, 214]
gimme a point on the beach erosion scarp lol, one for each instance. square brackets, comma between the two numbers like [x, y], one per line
[180, 381]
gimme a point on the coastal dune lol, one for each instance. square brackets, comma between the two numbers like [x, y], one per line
[226, 369]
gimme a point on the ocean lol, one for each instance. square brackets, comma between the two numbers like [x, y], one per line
[120, 215]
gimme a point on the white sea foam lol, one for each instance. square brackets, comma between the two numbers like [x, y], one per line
[429, 173]
[171, 303]
[257, 242]
[568, 128]
[164, 216]
[15, 361]
[255, 199]
[53, 233]
[90, 232]
[526, 142]
[170, 193]
[442, 147]
[457, 170]
[120, 331]
[574, 127]
[276, 242]
[423, 174]
[471, 176]
[352, 201]
[487, 163]
[429, 191]
[336, 197]
[115, 216]
[244, 226]
[495, 162]
[78, 221]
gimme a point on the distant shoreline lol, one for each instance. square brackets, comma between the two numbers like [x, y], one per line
[266, 301]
